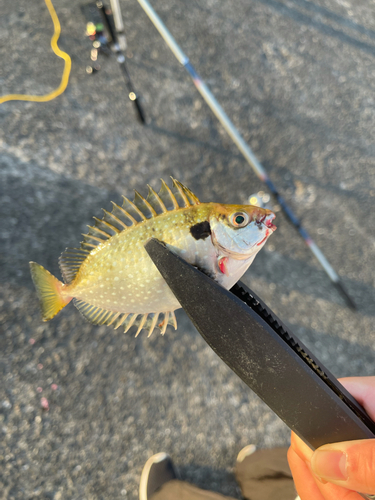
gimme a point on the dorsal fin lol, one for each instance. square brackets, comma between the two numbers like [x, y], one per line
[168, 197]
[133, 210]
[182, 199]
[193, 200]
[155, 201]
[144, 206]
[123, 215]
[137, 211]
[70, 261]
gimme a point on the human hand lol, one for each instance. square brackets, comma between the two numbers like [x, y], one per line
[337, 471]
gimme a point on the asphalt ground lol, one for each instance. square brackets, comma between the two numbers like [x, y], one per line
[297, 79]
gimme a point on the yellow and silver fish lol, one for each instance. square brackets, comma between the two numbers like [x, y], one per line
[113, 281]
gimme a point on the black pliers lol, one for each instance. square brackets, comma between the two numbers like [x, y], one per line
[260, 349]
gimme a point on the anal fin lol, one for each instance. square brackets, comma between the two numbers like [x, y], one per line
[155, 320]
[99, 316]
[146, 321]
[95, 315]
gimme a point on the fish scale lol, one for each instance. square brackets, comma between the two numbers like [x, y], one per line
[113, 281]
[120, 274]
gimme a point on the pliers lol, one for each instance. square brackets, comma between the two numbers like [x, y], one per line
[244, 332]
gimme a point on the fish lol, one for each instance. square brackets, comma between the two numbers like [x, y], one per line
[112, 280]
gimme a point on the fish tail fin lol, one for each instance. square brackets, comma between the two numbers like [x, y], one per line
[49, 291]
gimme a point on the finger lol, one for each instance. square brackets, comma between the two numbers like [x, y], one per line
[328, 491]
[309, 487]
[350, 464]
[301, 448]
[363, 390]
[333, 492]
[303, 479]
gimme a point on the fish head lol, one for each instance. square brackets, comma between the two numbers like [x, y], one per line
[240, 231]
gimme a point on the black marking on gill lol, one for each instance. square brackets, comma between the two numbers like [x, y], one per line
[201, 230]
[266, 315]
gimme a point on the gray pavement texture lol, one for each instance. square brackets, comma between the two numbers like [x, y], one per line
[297, 77]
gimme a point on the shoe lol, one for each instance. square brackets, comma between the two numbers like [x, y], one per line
[245, 452]
[158, 470]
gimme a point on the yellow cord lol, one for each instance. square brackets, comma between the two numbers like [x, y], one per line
[65, 76]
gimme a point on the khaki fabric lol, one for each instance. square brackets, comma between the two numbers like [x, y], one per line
[264, 475]
[179, 490]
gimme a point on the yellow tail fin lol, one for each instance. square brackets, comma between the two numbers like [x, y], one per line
[48, 289]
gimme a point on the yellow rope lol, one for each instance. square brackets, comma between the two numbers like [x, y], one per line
[65, 76]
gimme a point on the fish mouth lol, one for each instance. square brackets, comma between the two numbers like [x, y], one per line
[266, 220]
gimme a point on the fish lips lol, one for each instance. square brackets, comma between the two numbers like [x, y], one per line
[266, 221]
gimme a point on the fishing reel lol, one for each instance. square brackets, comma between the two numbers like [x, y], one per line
[100, 44]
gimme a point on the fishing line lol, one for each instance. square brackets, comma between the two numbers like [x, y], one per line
[243, 147]
[67, 66]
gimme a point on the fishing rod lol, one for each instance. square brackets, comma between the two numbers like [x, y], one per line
[243, 147]
[118, 42]
[119, 24]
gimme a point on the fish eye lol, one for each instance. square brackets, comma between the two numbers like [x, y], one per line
[239, 219]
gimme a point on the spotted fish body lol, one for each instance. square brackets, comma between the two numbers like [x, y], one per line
[113, 280]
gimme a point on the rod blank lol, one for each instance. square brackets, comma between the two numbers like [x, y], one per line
[243, 147]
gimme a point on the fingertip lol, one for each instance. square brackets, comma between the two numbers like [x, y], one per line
[330, 465]
[349, 464]
[301, 448]
[303, 479]
[363, 389]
